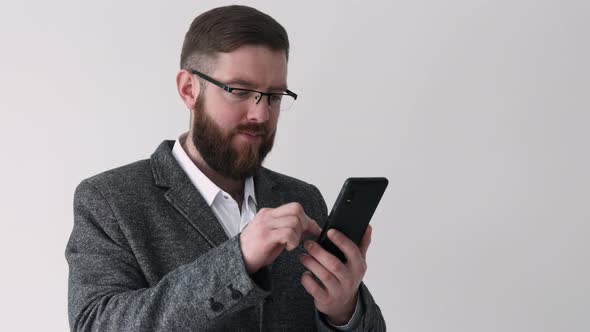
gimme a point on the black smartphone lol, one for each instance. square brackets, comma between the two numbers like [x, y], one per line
[353, 210]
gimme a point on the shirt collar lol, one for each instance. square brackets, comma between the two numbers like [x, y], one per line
[204, 185]
[249, 192]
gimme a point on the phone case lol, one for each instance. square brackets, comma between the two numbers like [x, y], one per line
[353, 210]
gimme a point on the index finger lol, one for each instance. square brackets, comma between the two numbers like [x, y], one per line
[308, 225]
[313, 228]
[289, 209]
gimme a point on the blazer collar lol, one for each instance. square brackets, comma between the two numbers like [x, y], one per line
[183, 195]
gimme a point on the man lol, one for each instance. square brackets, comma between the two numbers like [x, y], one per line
[201, 236]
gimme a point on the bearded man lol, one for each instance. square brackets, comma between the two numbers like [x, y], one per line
[200, 236]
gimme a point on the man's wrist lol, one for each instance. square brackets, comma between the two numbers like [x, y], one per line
[346, 316]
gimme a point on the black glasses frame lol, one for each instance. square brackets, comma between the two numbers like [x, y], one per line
[230, 89]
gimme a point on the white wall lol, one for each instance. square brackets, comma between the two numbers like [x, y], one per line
[478, 112]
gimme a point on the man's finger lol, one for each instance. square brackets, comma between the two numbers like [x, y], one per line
[366, 241]
[289, 209]
[329, 280]
[311, 227]
[348, 248]
[287, 222]
[314, 289]
[326, 259]
[286, 237]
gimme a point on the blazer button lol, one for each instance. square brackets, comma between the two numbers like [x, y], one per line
[235, 294]
[215, 306]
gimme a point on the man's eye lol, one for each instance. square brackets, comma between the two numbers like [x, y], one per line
[241, 93]
[276, 98]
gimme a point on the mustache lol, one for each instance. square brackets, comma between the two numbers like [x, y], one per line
[252, 128]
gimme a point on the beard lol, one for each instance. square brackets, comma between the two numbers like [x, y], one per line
[215, 145]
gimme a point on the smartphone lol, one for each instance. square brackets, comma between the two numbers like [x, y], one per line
[353, 211]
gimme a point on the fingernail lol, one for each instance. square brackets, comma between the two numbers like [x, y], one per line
[308, 245]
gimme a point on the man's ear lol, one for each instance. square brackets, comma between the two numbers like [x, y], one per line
[188, 88]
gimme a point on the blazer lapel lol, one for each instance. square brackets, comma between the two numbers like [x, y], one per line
[268, 192]
[183, 195]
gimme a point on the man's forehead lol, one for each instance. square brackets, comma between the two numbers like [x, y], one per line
[252, 65]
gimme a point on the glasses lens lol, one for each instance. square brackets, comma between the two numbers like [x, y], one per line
[238, 94]
[286, 102]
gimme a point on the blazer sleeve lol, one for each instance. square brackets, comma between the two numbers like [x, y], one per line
[107, 290]
[371, 318]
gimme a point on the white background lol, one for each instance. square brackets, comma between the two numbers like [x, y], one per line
[477, 111]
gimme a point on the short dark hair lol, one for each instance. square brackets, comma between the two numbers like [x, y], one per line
[224, 29]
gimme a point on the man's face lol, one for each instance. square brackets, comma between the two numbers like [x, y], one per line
[234, 138]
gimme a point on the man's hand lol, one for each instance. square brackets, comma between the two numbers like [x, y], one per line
[273, 230]
[337, 297]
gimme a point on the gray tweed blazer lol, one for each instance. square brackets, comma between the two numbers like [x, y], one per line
[147, 254]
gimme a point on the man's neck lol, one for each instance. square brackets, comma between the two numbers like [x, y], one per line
[234, 187]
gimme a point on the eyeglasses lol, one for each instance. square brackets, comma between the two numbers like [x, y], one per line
[276, 101]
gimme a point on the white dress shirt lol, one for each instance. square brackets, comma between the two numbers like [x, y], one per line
[224, 207]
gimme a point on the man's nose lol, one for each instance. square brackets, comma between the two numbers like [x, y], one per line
[259, 111]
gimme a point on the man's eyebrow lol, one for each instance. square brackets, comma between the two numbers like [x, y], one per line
[249, 85]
